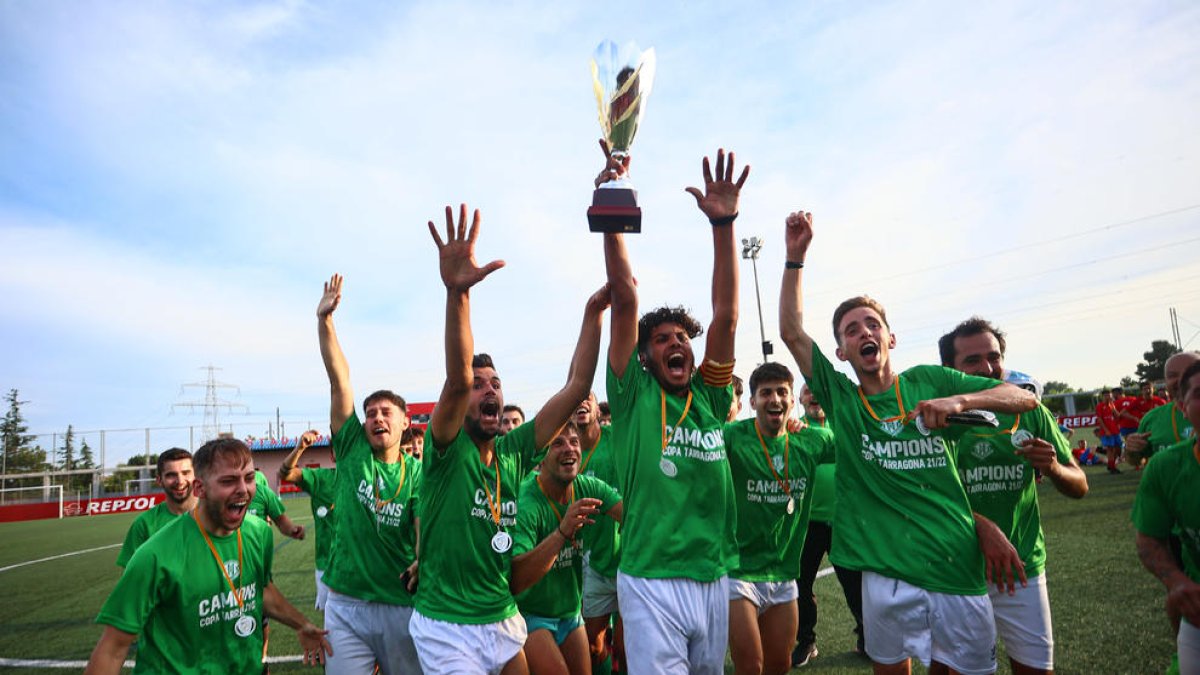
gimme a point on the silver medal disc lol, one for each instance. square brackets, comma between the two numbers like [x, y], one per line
[322, 511]
[791, 506]
[668, 468]
[244, 626]
[501, 542]
[1019, 437]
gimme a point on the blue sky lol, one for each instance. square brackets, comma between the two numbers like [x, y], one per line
[177, 180]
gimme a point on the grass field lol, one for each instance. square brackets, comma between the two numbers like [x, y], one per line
[1108, 611]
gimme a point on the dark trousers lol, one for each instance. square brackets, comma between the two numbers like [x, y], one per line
[816, 545]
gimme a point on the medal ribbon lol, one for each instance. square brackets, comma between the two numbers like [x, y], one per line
[494, 506]
[871, 411]
[375, 488]
[570, 496]
[786, 439]
[216, 556]
[686, 407]
[1174, 425]
[1009, 432]
[591, 452]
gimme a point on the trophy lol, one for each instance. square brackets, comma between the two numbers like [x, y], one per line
[622, 78]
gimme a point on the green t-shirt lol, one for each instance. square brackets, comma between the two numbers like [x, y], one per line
[1166, 426]
[321, 485]
[176, 597]
[679, 525]
[824, 497]
[602, 539]
[901, 508]
[376, 535]
[556, 595]
[1000, 484]
[463, 579]
[1168, 502]
[769, 539]
[144, 527]
[266, 504]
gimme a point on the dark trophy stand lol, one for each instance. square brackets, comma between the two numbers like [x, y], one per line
[614, 211]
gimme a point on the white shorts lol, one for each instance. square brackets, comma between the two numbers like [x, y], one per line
[322, 591]
[1023, 622]
[764, 594]
[599, 593]
[902, 621]
[674, 625]
[1188, 646]
[363, 633]
[475, 649]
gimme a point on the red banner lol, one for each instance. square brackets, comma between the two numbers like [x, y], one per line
[82, 507]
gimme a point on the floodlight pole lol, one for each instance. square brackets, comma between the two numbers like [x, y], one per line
[750, 250]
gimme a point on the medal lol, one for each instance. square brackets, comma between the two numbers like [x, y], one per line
[669, 469]
[791, 506]
[1019, 437]
[245, 626]
[784, 483]
[501, 542]
[322, 512]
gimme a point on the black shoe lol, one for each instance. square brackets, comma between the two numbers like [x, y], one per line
[802, 654]
[1113, 469]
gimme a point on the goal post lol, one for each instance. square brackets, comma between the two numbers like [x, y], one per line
[37, 494]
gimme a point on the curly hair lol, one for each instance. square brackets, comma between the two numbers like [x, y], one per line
[665, 314]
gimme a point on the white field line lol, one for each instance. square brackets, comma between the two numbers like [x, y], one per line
[823, 572]
[56, 557]
[75, 665]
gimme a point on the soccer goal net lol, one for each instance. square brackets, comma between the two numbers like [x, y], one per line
[38, 494]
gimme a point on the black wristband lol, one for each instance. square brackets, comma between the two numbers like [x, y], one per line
[560, 533]
[724, 220]
[794, 265]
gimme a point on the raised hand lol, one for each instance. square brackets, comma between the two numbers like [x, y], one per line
[614, 168]
[307, 439]
[798, 235]
[599, 301]
[578, 515]
[720, 196]
[456, 254]
[331, 297]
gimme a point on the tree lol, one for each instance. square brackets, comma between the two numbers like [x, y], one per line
[20, 455]
[1129, 385]
[67, 452]
[1155, 361]
[116, 481]
[1055, 387]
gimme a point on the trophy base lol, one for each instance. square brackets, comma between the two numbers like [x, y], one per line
[614, 210]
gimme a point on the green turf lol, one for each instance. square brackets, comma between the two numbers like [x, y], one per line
[1108, 611]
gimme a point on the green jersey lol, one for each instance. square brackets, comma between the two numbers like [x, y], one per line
[772, 519]
[824, 498]
[602, 539]
[321, 485]
[266, 504]
[901, 508]
[1000, 483]
[1166, 426]
[143, 528]
[1168, 502]
[556, 595]
[674, 476]
[466, 555]
[376, 532]
[177, 597]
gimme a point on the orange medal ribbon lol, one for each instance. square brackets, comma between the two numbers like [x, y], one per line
[686, 407]
[871, 411]
[494, 506]
[375, 488]
[216, 556]
[786, 439]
